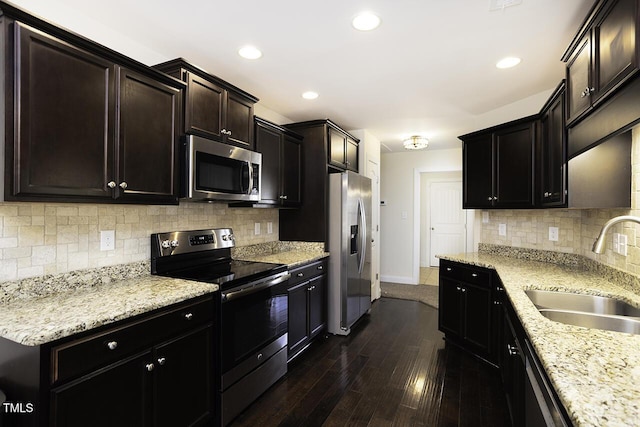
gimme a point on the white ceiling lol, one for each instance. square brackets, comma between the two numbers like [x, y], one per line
[428, 69]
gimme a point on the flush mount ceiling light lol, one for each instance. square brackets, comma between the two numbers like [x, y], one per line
[366, 21]
[415, 143]
[250, 52]
[310, 95]
[508, 62]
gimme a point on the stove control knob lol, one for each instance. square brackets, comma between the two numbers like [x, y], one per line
[232, 237]
[165, 244]
[175, 243]
[224, 237]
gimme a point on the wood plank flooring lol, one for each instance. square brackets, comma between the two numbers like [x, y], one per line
[394, 369]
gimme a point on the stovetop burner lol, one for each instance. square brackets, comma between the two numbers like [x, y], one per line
[227, 274]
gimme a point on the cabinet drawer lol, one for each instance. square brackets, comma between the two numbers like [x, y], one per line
[455, 271]
[83, 355]
[306, 272]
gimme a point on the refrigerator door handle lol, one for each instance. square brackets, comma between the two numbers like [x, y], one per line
[363, 235]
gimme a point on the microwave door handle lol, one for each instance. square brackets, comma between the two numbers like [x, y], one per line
[249, 184]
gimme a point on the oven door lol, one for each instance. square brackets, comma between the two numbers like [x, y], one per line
[216, 171]
[253, 325]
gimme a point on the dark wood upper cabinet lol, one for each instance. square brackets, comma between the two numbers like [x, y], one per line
[498, 166]
[553, 151]
[342, 150]
[324, 151]
[603, 56]
[281, 151]
[148, 121]
[214, 109]
[84, 124]
[62, 143]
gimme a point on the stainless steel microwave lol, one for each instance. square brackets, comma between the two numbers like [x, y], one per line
[216, 171]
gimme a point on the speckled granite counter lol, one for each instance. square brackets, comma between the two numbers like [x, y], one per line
[596, 373]
[40, 310]
[291, 253]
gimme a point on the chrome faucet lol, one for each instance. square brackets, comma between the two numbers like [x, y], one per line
[598, 245]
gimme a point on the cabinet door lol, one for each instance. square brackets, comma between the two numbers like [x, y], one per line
[478, 171]
[114, 396]
[553, 170]
[317, 305]
[298, 316]
[65, 106]
[268, 143]
[477, 317]
[184, 379]
[352, 155]
[579, 80]
[449, 314]
[204, 108]
[615, 38]
[291, 171]
[513, 373]
[337, 141]
[239, 122]
[147, 157]
[514, 148]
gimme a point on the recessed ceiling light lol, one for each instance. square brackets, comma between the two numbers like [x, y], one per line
[366, 21]
[310, 95]
[508, 62]
[250, 52]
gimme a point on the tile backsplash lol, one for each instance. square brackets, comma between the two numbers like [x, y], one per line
[52, 238]
[578, 229]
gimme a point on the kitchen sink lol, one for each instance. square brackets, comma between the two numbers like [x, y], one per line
[581, 302]
[589, 311]
[592, 320]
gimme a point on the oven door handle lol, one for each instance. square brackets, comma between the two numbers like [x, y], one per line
[228, 296]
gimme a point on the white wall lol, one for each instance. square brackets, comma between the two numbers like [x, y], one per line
[399, 217]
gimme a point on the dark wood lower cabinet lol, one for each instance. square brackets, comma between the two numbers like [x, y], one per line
[466, 308]
[152, 370]
[307, 305]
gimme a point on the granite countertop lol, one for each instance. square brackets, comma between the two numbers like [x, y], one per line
[293, 254]
[596, 373]
[41, 310]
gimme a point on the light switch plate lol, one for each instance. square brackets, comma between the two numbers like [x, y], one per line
[616, 243]
[269, 227]
[502, 229]
[256, 227]
[622, 245]
[485, 217]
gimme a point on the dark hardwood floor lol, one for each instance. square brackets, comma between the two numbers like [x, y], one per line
[393, 369]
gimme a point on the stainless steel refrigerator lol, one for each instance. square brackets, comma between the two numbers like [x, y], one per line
[349, 291]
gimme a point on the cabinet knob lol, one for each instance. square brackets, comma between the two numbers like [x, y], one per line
[162, 360]
[150, 367]
[259, 357]
[321, 267]
[300, 274]
[111, 184]
[112, 345]
[474, 274]
[458, 288]
[310, 288]
[123, 185]
[497, 303]
[188, 316]
[225, 132]
[495, 197]
[449, 268]
[500, 289]
[490, 198]
[463, 290]
[513, 350]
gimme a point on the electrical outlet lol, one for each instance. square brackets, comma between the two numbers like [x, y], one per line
[502, 229]
[107, 240]
[622, 245]
[256, 227]
[269, 227]
[616, 243]
[485, 217]
[553, 234]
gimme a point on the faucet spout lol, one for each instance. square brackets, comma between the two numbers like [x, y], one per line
[598, 245]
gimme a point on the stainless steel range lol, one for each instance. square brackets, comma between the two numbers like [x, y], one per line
[251, 311]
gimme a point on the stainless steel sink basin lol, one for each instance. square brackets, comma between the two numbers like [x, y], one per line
[580, 302]
[598, 321]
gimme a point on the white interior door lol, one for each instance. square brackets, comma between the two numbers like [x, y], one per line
[448, 220]
[373, 172]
